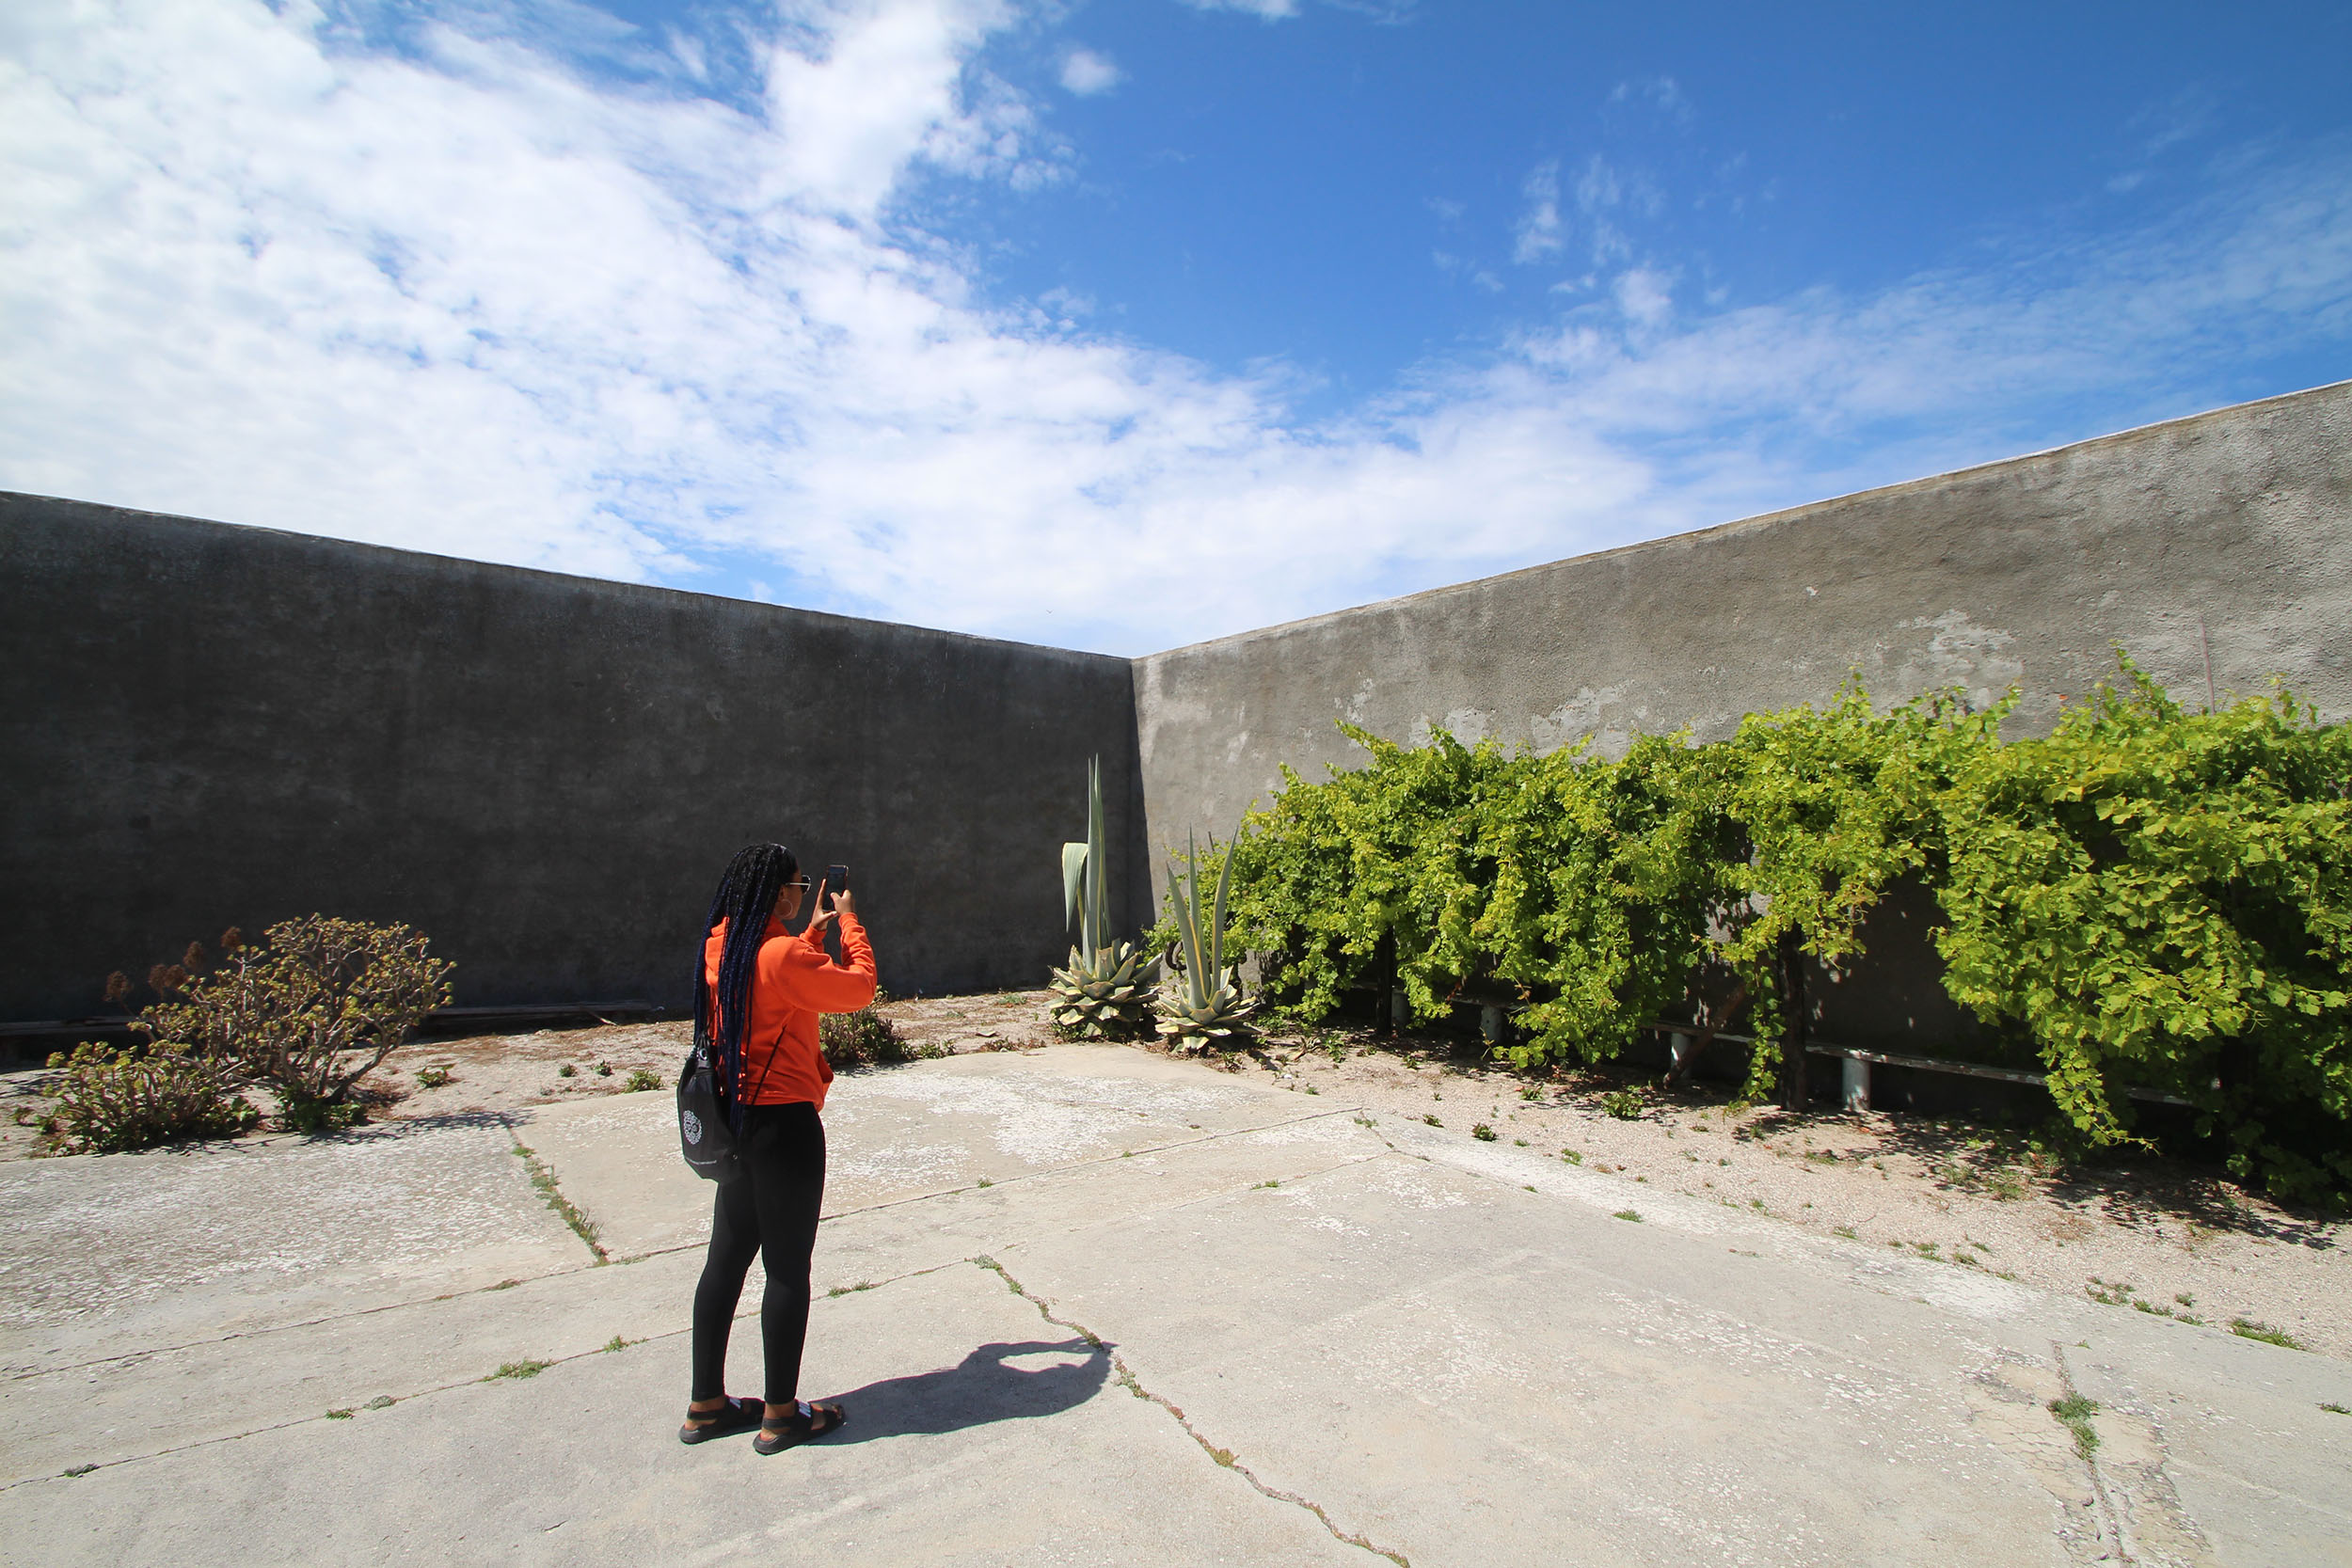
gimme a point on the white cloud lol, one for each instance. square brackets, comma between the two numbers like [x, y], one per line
[1645, 295]
[1269, 10]
[1537, 236]
[458, 298]
[1088, 73]
[1661, 93]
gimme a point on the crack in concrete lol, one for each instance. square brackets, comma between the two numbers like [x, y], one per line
[1224, 1458]
[543, 1180]
[2139, 1509]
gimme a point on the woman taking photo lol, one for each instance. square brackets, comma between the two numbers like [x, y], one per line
[757, 995]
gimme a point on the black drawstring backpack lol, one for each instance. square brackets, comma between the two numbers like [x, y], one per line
[703, 1131]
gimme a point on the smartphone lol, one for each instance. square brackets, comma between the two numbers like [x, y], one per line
[837, 879]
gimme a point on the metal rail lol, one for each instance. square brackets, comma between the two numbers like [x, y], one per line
[1865, 1059]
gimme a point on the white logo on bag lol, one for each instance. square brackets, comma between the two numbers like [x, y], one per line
[694, 1126]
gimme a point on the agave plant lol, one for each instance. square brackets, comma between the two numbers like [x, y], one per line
[1204, 1005]
[1106, 989]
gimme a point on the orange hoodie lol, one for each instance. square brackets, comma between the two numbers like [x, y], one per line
[793, 982]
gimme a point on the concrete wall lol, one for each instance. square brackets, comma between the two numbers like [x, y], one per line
[2230, 531]
[202, 725]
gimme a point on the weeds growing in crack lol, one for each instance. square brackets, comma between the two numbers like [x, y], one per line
[542, 1178]
[518, 1369]
[2073, 1412]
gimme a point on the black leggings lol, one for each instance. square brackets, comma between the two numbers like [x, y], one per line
[770, 1209]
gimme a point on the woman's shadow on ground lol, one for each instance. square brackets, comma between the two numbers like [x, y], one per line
[976, 1390]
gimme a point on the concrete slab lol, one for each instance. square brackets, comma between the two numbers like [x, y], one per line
[981, 1435]
[900, 1133]
[103, 1255]
[1313, 1330]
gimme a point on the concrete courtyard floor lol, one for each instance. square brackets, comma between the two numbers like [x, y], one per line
[1089, 1305]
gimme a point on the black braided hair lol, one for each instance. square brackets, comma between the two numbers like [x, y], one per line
[746, 894]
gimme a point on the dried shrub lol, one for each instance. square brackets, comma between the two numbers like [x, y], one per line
[864, 1038]
[112, 1097]
[308, 1013]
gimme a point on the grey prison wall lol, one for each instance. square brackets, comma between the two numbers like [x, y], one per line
[2230, 532]
[202, 725]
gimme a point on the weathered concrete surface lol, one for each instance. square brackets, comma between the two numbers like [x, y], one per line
[203, 726]
[2228, 532]
[1378, 1333]
[105, 1256]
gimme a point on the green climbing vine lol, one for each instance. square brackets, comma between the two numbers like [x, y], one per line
[2151, 896]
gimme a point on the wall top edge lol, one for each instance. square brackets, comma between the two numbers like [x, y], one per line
[9, 500]
[1765, 519]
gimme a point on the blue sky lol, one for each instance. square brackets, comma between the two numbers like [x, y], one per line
[1120, 326]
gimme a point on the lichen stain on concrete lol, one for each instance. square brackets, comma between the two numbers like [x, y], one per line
[1579, 716]
[1961, 653]
[1045, 1119]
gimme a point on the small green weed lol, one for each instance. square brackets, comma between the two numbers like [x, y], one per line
[338, 1414]
[518, 1369]
[616, 1342]
[432, 1077]
[1626, 1214]
[1530, 1092]
[2336, 1410]
[1623, 1104]
[986, 1183]
[1519, 1143]
[543, 1180]
[1432, 1119]
[566, 1070]
[642, 1078]
[1482, 1133]
[81, 1470]
[2073, 1412]
[848, 1289]
[1573, 1156]
[1844, 1230]
[2246, 1328]
[604, 1070]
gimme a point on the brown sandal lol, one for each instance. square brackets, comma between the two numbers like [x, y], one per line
[808, 1421]
[737, 1415]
